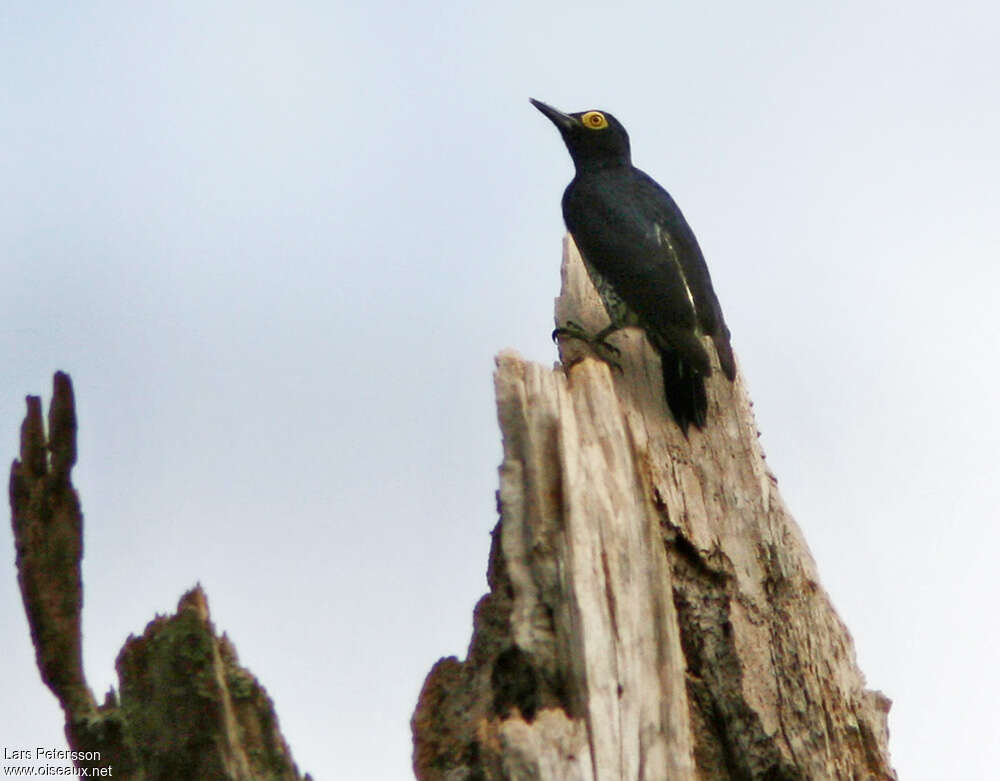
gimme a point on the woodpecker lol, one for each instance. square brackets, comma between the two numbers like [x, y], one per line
[642, 258]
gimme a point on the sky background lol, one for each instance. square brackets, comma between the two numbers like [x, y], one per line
[277, 247]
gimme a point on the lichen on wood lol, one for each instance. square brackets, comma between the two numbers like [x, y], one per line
[185, 708]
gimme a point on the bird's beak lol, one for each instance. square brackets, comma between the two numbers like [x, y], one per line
[562, 121]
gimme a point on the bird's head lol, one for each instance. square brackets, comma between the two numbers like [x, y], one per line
[594, 138]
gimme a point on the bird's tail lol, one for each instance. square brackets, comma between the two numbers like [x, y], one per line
[685, 391]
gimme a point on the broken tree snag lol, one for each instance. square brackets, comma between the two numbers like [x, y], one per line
[48, 536]
[192, 710]
[654, 612]
[185, 709]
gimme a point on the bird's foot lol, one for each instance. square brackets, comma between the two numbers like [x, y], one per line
[576, 331]
[602, 348]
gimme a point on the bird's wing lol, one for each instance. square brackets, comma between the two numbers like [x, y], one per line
[634, 235]
[619, 241]
[682, 246]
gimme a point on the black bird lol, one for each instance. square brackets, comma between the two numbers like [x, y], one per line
[643, 259]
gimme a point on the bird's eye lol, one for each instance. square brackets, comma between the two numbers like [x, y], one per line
[594, 120]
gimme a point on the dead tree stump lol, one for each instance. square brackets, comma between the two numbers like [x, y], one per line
[654, 612]
[185, 708]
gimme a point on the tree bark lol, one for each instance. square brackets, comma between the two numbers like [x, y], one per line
[654, 612]
[185, 708]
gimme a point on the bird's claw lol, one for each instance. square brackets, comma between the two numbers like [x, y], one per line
[571, 329]
[577, 331]
[606, 351]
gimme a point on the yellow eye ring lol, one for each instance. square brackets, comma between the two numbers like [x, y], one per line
[594, 120]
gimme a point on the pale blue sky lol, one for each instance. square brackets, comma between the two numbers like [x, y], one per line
[277, 247]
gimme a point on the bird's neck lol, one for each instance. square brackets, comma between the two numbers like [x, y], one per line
[602, 163]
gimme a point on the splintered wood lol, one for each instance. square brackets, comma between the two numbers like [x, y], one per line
[654, 611]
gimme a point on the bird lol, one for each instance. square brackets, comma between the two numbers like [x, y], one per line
[643, 259]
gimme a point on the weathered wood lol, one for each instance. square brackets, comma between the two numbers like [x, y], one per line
[185, 709]
[654, 611]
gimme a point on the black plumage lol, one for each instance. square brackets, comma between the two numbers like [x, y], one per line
[643, 259]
